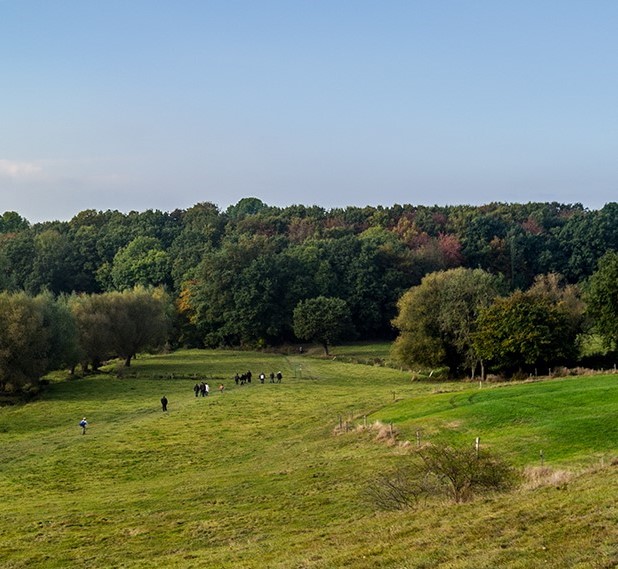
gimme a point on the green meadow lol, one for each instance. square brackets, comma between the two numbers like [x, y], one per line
[276, 475]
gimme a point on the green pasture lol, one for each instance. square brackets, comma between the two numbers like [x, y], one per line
[261, 476]
[569, 420]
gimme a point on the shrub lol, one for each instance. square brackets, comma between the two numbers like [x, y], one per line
[401, 488]
[441, 470]
[462, 472]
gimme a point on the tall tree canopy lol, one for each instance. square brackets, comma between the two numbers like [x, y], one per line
[526, 331]
[36, 335]
[239, 273]
[325, 320]
[437, 319]
[121, 324]
[602, 299]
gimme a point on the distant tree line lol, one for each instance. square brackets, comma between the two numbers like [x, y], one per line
[241, 277]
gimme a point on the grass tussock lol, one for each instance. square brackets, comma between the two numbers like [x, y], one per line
[543, 476]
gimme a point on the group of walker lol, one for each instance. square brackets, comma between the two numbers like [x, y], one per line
[203, 389]
[241, 379]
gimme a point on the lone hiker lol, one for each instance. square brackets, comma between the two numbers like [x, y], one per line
[83, 424]
[164, 403]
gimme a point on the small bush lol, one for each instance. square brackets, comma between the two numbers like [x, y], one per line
[462, 472]
[440, 470]
[401, 488]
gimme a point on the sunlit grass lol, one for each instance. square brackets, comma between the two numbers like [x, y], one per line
[256, 477]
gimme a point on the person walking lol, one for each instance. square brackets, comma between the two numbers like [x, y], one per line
[164, 403]
[207, 389]
[83, 424]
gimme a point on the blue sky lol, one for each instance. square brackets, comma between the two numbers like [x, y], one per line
[162, 104]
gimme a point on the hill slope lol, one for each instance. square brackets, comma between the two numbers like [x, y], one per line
[255, 476]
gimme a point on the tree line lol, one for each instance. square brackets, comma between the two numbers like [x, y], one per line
[241, 277]
[42, 333]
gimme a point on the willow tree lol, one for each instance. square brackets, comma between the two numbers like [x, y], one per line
[437, 319]
[121, 324]
[37, 335]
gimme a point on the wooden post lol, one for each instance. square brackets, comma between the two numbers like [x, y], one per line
[365, 421]
[340, 422]
[418, 438]
[477, 445]
[542, 457]
[390, 428]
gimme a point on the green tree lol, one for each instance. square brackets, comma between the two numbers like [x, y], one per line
[92, 319]
[12, 222]
[246, 207]
[602, 299]
[17, 251]
[437, 319]
[202, 229]
[63, 346]
[36, 335]
[141, 262]
[324, 320]
[121, 324]
[242, 292]
[523, 332]
[139, 320]
[51, 268]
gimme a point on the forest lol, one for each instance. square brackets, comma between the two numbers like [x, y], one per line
[241, 278]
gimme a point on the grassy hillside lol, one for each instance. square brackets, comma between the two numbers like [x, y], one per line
[256, 476]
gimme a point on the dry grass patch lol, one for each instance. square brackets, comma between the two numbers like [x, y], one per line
[541, 476]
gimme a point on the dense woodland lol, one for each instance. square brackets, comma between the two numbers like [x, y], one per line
[235, 277]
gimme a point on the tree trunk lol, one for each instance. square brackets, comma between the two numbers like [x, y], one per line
[127, 361]
[325, 348]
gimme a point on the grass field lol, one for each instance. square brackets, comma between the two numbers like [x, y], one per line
[256, 477]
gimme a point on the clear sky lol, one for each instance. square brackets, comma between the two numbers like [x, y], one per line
[139, 104]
